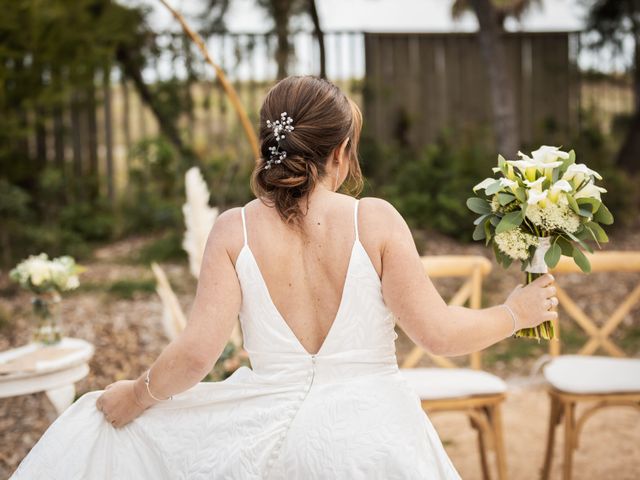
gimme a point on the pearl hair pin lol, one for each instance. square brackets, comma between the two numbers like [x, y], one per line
[280, 128]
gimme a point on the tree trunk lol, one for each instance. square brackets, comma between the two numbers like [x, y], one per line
[281, 11]
[628, 156]
[41, 137]
[89, 107]
[166, 124]
[76, 143]
[126, 120]
[503, 106]
[108, 135]
[58, 124]
[319, 34]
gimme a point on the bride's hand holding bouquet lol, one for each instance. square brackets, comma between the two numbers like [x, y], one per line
[537, 209]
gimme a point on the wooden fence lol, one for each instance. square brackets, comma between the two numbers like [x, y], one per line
[418, 84]
[415, 85]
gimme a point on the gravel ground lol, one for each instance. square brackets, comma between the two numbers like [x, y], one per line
[128, 336]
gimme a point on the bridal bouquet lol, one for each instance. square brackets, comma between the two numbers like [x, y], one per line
[538, 208]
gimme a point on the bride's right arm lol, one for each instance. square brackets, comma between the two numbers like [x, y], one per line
[426, 318]
[189, 357]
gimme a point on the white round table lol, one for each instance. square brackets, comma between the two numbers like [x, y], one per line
[51, 369]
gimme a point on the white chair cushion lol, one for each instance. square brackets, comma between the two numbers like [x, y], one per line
[439, 383]
[584, 374]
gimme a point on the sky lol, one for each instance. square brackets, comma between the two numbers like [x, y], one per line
[388, 15]
[362, 15]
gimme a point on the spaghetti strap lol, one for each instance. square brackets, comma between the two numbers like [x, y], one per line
[244, 226]
[355, 218]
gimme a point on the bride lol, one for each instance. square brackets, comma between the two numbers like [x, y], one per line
[318, 280]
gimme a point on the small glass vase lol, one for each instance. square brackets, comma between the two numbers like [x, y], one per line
[536, 268]
[46, 312]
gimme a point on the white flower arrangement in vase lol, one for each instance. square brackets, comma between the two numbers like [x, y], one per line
[47, 279]
[537, 209]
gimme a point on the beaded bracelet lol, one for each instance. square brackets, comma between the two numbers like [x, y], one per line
[146, 382]
[513, 317]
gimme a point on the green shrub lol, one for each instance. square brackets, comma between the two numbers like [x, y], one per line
[126, 289]
[430, 188]
[165, 249]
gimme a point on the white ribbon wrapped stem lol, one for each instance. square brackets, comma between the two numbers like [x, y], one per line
[538, 265]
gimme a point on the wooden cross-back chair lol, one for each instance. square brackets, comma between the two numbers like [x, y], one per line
[450, 388]
[596, 381]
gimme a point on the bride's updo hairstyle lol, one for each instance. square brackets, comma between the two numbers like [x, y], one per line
[323, 117]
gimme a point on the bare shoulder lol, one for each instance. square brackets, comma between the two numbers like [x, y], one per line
[380, 213]
[227, 231]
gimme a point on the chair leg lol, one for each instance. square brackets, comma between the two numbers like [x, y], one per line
[495, 418]
[569, 427]
[554, 419]
[482, 445]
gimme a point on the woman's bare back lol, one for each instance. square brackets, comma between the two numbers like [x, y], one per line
[305, 276]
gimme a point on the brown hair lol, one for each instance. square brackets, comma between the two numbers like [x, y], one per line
[323, 117]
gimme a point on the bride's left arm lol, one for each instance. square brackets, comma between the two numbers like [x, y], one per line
[187, 359]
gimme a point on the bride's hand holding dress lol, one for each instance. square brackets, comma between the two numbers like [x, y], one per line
[120, 403]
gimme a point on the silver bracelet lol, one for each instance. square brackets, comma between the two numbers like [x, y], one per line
[513, 316]
[146, 382]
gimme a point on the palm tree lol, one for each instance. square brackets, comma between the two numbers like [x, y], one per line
[491, 15]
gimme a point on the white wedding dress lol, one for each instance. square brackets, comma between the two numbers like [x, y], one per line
[343, 413]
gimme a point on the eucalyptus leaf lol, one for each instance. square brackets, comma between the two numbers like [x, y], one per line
[481, 218]
[581, 260]
[552, 257]
[573, 204]
[603, 215]
[583, 212]
[565, 245]
[505, 198]
[592, 235]
[581, 242]
[510, 221]
[479, 232]
[487, 232]
[478, 205]
[594, 203]
[520, 195]
[598, 231]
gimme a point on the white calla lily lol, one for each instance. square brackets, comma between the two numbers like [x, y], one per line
[522, 165]
[535, 196]
[590, 190]
[580, 170]
[547, 154]
[556, 188]
[484, 184]
[535, 185]
[506, 183]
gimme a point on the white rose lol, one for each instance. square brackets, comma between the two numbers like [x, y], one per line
[39, 271]
[72, 283]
